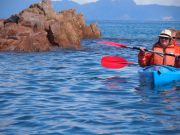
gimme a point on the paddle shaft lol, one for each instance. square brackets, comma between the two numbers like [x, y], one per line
[159, 53]
[136, 48]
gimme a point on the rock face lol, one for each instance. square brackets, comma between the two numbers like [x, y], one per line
[39, 28]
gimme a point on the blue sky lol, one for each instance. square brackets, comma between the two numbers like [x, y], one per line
[160, 2]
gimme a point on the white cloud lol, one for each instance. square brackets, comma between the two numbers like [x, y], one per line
[167, 18]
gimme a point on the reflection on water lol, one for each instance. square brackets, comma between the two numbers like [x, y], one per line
[117, 82]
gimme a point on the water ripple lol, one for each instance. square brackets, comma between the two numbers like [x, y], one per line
[69, 92]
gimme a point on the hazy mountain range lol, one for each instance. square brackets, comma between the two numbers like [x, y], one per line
[102, 9]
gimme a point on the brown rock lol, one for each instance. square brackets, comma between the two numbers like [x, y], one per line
[76, 20]
[64, 35]
[38, 28]
[1, 24]
[15, 37]
[91, 31]
[34, 42]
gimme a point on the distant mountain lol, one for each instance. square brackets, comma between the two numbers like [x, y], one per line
[102, 9]
[109, 9]
[122, 10]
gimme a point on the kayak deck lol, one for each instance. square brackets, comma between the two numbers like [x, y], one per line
[160, 74]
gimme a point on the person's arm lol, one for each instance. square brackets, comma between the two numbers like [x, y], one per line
[144, 58]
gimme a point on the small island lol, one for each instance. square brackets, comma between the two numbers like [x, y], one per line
[40, 28]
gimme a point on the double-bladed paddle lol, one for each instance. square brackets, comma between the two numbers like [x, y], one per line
[114, 62]
[136, 48]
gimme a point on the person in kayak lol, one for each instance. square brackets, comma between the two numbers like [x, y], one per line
[174, 33]
[164, 45]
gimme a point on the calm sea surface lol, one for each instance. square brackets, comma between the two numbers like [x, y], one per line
[68, 92]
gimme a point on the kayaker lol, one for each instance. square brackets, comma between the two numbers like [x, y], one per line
[164, 45]
[174, 33]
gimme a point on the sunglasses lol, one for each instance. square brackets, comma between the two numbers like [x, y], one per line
[165, 38]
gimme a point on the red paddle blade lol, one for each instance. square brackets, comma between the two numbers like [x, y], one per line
[114, 62]
[112, 44]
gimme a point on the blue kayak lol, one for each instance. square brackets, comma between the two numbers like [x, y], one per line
[160, 74]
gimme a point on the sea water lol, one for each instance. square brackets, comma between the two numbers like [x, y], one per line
[68, 91]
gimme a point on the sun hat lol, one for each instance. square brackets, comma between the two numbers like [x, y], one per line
[166, 33]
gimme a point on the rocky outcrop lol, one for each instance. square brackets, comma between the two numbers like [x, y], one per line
[15, 37]
[39, 28]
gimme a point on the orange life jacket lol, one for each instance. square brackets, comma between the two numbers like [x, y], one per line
[163, 60]
[147, 59]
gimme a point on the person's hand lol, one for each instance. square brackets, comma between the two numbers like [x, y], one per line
[142, 49]
[177, 56]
